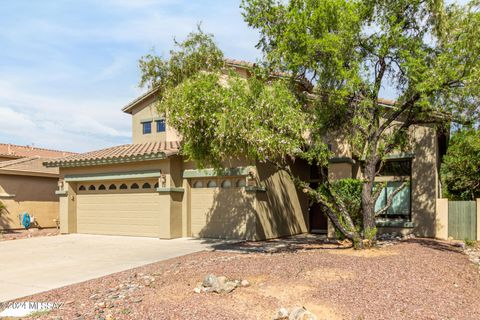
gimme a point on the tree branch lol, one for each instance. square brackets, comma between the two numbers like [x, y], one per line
[390, 199]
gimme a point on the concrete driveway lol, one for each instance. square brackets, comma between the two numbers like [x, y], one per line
[29, 266]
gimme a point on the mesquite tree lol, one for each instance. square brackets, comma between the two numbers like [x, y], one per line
[325, 65]
[461, 166]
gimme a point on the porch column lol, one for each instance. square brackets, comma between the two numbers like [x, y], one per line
[441, 219]
[478, 219]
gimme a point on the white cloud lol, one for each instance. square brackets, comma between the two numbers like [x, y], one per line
[64, 79]
[11, 120]
[62, 123]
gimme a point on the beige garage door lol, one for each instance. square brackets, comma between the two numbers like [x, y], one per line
[130, 214]
[218, 212]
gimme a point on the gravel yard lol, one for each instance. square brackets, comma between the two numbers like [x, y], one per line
[30, 233]
[414, 279]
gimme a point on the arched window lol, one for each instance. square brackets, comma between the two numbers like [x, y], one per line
[102, 187]
[156, 185]
[198, 184]
[82, 188]
[212, 184]
[146, 185]
[134, 186]
[226, 184]
[112, 187]
[123, 186]
[241, 183]
[92, 187]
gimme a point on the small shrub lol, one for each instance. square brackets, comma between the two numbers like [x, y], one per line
[470, 243]
[349, 192]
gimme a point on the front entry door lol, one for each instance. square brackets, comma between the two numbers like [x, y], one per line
[318, 220]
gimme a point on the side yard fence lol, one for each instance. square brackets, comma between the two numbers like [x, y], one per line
[458, 219]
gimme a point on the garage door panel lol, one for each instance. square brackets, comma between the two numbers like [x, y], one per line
[218, 213]
[134, 214]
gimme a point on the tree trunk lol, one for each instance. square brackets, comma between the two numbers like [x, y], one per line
[368, 206]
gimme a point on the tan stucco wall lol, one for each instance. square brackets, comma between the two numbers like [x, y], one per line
[281, 210]
[441, 221]
[176, 216]
[339, 171]
[35, 195]
[148, 110]
[424, 180]
[161, 165]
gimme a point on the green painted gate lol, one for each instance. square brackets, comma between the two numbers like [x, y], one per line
[462, 220]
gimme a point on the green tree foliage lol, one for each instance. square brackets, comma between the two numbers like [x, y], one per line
[349, 192]
[326, 63]
[461, 166]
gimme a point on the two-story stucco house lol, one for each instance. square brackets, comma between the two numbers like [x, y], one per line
[147, 189]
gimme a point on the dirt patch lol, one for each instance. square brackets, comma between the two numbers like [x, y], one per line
[367, 253]
[420, 279]
[328, 274]
[30, 233]
[323, 312]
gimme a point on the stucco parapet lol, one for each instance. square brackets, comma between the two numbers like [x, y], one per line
[141, 174]
[168, 190]
[210, 172]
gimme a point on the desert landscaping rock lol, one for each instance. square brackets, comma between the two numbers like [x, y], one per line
[331, 283]
[210, 281]
[295, 313]
[220, 284]
[95, 296]
[473, 254]
[282, 314]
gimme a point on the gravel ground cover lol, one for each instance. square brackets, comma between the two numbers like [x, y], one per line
[32, 232]
[413, 279]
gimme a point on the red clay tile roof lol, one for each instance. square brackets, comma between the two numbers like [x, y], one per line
[15, 151]
[27, 166]
[119, 154]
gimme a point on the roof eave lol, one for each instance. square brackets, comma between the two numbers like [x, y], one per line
[29, 173]
[128, 108]
[107, 161]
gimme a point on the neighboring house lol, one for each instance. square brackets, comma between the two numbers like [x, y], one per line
[27, 186]
[11, 152]
[147, 189]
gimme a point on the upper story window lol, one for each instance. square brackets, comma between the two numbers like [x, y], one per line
[147, 127]
[160, 125]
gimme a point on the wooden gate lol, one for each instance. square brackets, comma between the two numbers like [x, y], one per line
[462, 220]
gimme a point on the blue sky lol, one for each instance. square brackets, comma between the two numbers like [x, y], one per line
[68, 67]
